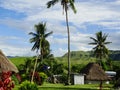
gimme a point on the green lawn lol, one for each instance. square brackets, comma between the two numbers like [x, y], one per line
[47, 86]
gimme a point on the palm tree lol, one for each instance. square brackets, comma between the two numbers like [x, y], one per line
[40, 42]
[65, 4]
[100, 50]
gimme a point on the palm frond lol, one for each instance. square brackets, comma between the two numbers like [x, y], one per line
[51, 3]
[35, 47]
[93, 43]
[33, 34]
[107, 42]
[95, 40]
[34, 39]
[104, 37]
[48, 34]
[72, 5]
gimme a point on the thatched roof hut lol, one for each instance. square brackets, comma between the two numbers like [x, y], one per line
[6, 64]
[94, 72]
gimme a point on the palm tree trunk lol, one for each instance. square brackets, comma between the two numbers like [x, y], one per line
[34, 68]
[101, 85]
[68, 43]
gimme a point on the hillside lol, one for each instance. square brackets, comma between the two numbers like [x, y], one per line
[77, 57]
[114, 55]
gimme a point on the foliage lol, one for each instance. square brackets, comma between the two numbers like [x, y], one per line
[100, 50]
[14, 78]
[6, 83]
[40, 43]
[76, 68]
[114, 54]
[76, 62]
[27, 85]
[116, 67]
[39, 39]
[43, 77]
[117, 84]
[27, 66]
[64, 78]
[104, 65]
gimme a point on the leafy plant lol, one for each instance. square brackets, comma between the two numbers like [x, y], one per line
[14, 78]
[43, 77]
[27, 85]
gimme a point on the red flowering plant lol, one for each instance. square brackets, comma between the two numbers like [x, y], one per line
[6, 82]
[37, 78]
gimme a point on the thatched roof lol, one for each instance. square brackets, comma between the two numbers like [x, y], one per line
[6, 64]
[94, 72]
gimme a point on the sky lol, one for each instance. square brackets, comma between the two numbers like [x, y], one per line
[18, 17]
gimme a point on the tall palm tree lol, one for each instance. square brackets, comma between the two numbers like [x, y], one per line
[65, 4]
[100, 50]
[40, 42]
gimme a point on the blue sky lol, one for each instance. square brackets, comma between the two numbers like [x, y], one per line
[18, 17]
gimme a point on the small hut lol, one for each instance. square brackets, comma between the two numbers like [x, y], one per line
[6, 65]
[94, 73]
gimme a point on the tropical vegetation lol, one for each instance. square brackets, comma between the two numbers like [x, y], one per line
[40, 43]
[79, 60]
[65, 4]
[100, 50]
[38, 72]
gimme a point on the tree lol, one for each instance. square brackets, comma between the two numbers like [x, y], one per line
[100, 50]
[40, 42]
[65, 4]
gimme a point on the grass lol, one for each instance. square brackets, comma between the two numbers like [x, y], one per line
[18, 60]
[48, 86]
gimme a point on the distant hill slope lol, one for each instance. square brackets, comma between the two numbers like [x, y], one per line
[113, 54]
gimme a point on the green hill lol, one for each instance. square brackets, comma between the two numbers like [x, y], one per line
[84, 55]
[115, 55]
[77, 57]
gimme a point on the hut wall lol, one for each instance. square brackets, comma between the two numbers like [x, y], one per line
[77, 79]
[93, 82]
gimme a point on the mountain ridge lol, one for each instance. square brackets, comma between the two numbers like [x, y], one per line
[113, 54]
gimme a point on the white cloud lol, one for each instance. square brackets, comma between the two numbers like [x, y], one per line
[16, 51]
[99, 13]
[59, 52]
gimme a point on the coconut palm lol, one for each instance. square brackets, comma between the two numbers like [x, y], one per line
[100, 50]
[65, 4]
[40, 42]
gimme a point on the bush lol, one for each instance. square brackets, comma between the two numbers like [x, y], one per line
[43, 77]
[14, 78]
[27, 85]
[64, 78]
[117, 84]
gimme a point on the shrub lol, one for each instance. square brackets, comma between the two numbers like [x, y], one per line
[64, 78]
[43, 77]
[6, 83]
[14, 78]
[27, 85]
